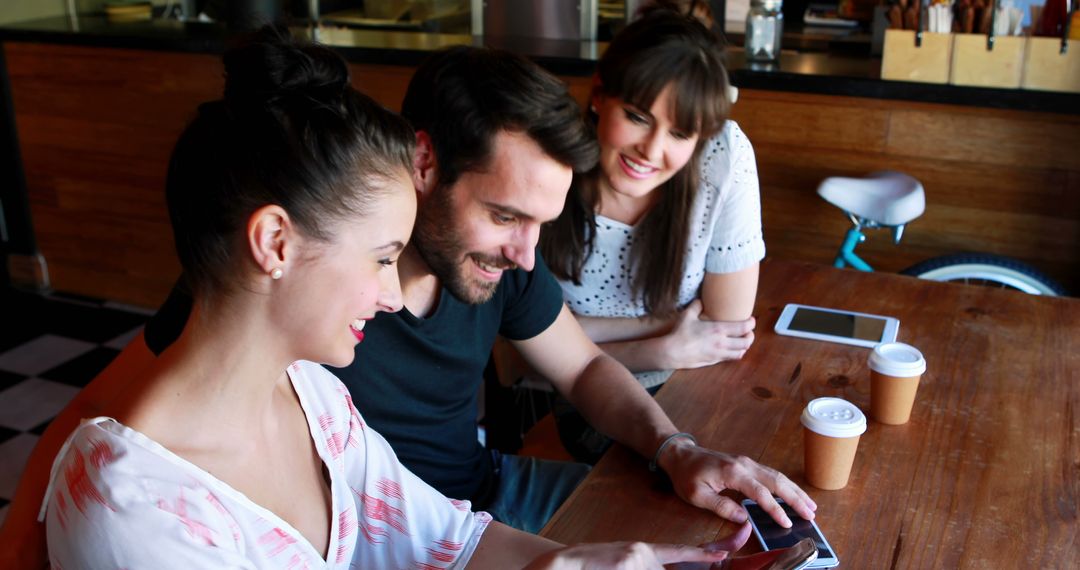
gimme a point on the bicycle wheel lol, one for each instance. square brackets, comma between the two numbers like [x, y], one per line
[987, 270]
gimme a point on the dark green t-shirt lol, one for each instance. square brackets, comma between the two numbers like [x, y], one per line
[416, 380]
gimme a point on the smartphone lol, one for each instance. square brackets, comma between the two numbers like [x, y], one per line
[832, 325]
[773, 536]
[795, 557]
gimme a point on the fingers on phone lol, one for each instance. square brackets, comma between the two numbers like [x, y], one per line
[672, 553]
[797, 498]
[804, 505]
[769, 505]
[805, 508]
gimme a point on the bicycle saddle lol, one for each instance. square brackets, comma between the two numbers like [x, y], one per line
[888, 198]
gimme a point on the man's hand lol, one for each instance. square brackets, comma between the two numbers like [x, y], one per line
[699, 475]
[694, 342]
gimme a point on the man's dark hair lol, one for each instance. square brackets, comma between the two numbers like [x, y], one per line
[463, 96]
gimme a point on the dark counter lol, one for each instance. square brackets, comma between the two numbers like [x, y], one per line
[822, 73]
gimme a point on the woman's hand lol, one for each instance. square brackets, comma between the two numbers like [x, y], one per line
[694, 342]
[641, 555]
[632, 556]
[505, 547]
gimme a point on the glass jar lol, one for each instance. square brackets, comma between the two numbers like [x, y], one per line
[764, 28]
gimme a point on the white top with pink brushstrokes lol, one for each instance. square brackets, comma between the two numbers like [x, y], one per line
[117, 499]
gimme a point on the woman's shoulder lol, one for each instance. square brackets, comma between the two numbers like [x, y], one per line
[724, 154]
[103, 472]
[107, 445]
[110, 480]
[320, 387]
[106, 464]
[728, 143]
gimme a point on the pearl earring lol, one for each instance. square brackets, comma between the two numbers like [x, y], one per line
[276, 273]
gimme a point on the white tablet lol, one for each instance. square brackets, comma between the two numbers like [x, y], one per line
[832, 325]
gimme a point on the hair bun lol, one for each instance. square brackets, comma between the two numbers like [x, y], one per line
[698, 10]
[273, 70]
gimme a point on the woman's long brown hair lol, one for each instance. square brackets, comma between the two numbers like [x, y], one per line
[661, 48]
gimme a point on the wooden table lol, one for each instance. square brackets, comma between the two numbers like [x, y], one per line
[985, 475]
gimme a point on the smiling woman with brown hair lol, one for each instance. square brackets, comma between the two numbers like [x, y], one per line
[657, 248]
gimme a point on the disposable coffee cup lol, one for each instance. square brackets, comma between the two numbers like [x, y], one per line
[831, 430]
[895, 370]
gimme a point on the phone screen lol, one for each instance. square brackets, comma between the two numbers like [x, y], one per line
[837, 324]
[776, 536]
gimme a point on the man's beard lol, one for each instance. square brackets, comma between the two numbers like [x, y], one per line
[438, 241]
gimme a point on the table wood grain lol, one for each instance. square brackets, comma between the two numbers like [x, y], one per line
[986, 473]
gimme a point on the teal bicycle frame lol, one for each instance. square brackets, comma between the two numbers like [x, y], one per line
[846, 256]
[976, 268]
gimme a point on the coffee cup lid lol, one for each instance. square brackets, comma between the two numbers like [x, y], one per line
[897, 359]
[833, 417]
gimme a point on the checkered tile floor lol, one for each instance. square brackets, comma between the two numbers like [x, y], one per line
[50, 347]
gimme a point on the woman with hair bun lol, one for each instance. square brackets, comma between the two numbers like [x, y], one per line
[657, 249]
[290, 200]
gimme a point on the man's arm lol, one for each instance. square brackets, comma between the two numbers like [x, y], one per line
[609, 397]
[596, 384]
[22, 538]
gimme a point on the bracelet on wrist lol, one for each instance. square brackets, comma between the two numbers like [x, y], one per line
[654, 465]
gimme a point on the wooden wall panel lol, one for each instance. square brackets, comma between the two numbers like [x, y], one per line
[1002, 182]
[1009, 139]
[993, 204]
[383, 83]
[96, 127]
[387, 83]
[812, 125]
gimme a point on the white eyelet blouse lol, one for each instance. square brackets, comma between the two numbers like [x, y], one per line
[725, 237]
